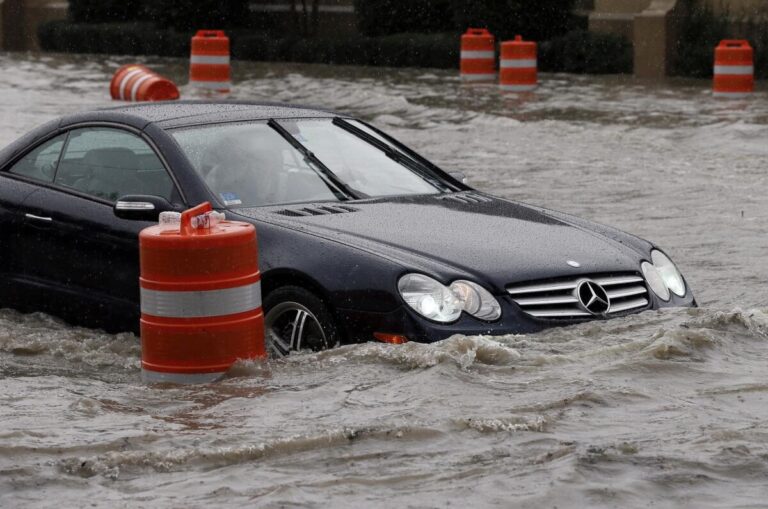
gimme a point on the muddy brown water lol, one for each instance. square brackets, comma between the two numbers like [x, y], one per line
[660, 409]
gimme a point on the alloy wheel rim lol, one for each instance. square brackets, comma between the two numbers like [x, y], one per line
[289, 327]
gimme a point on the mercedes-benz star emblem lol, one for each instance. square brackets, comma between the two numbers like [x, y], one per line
[593, 298]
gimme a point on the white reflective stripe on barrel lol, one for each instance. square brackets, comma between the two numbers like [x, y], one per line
[477, 55]
[124, 82]
[518, 88]
[518, 64]
[148, 376]
[135, 87]
[209, 59]
[478, 77]
[733, 95]
[201, 304]
[737, 70]
[213, 85]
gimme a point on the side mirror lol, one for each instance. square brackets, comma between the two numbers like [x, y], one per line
[141, 208]
[458, 175]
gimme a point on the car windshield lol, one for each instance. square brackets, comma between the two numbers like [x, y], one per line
[257, 164]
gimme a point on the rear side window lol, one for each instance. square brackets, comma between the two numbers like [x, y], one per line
[110, 163]
[40, 163]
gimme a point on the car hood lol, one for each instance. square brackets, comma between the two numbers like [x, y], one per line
[467, 234]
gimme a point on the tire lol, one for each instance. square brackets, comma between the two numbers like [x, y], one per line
[297, 319]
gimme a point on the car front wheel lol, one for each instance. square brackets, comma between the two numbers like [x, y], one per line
[296, 319]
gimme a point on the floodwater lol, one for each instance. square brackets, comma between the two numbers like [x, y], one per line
[660, 409]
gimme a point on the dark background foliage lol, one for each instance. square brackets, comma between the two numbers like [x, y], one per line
[703, 29]
[580, 52]
[195, 14]
[179, 14]
[100, 11]
[398, 33]
[535, 20]
[385, 17]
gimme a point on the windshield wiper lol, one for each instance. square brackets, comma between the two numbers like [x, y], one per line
[414, 165]
[334, 183]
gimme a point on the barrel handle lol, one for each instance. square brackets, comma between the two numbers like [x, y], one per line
[734, 43]
[187, 215]
[210, 33]
[478, 31]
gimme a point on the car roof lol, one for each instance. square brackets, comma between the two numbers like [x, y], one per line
[175, 114]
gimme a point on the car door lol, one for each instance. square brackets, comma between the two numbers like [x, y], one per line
[77, 248]
[19, 181]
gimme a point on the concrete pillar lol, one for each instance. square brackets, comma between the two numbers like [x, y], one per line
[38, 12]
[654, 36]
[20, 20]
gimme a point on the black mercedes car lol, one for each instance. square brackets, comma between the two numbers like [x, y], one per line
[360, 238]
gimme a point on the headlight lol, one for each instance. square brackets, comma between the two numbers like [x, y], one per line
[476, 300]
[435, 301]
[669, 273]
[429, 298]
[663, 276]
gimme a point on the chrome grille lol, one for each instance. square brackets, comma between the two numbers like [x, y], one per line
[556, 299]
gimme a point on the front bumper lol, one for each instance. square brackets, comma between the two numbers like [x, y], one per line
[361, 325]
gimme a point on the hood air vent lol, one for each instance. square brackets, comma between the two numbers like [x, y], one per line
[316, 211]
[464, 198]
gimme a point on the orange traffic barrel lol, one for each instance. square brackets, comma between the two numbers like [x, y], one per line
[134, 82]
[518, 65]
[209, 63]
[478, 55]
[734, 69]
[200, 298]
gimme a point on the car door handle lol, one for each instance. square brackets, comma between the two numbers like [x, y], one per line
[39, 218]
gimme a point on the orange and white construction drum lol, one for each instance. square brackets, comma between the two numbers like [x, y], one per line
[734, 69]
[134, 82]
[200, 298]
[478, 55]
[209, 66]
[518, 65]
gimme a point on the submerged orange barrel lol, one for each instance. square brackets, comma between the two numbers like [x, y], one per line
[478, 55]
[209, 66]
[200, 298]
[518, 67]
[734, 69]
[134, 82]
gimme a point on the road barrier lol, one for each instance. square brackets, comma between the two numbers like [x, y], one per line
[518, 65]
[478, 55]
[134, 82]
[209, 66]
[200, 298]
[734, 69]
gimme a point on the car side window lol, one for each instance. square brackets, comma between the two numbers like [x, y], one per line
[109, 163]
[40, 163]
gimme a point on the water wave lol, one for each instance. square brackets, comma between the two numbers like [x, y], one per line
[112, 464]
